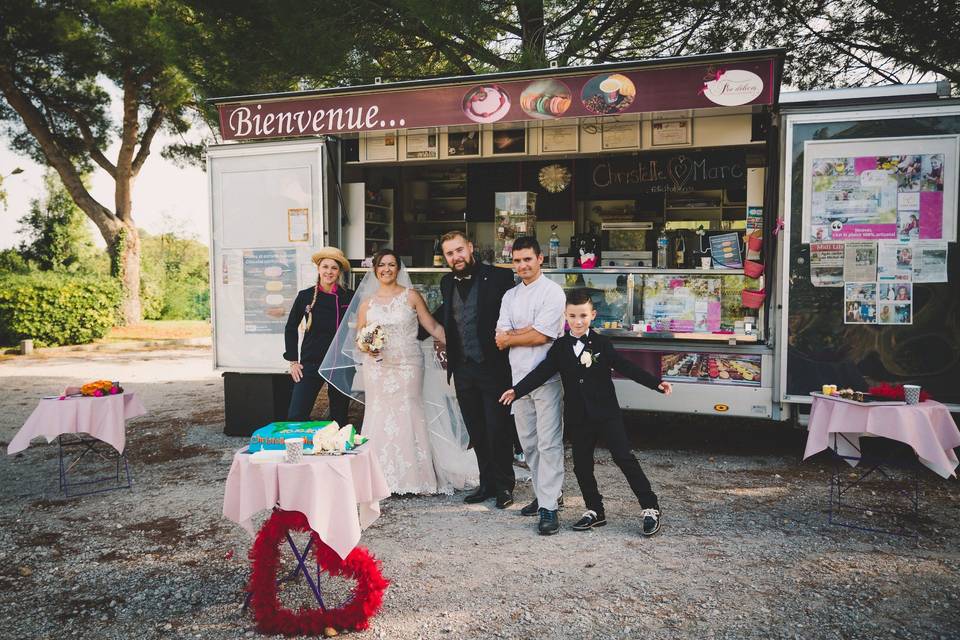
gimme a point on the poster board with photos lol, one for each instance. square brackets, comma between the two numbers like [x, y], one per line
[854, 336]
[886, 189]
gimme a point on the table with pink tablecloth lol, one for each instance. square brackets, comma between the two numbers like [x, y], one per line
[927, 428]
[339, 494]
[102, 418]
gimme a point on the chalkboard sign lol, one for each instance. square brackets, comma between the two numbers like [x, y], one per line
[821, 348]
[634, 174]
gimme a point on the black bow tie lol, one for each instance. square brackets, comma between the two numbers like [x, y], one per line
[582, 339]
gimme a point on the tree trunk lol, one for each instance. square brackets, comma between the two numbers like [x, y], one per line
[124, 248]
[533, 33]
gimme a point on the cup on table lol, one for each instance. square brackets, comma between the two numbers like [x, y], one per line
[294, 449]
[706, 262]
[911, 393]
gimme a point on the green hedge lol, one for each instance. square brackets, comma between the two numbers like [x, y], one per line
[56, 309]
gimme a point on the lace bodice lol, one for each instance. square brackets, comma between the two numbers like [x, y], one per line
[399, 322]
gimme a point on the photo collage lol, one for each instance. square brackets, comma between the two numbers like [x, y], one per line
[878, 303]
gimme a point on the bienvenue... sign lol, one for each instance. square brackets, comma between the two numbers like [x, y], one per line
[603, 93]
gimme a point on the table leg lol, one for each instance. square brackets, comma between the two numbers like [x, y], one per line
[301, 567]
[65, 466]
[879, 467]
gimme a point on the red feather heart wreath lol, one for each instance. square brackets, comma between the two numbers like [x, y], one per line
[895, 392]
[272, 617]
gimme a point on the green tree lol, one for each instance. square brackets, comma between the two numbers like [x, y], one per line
[57, 237]
[175, 277]
[289, 45]
[57, 61]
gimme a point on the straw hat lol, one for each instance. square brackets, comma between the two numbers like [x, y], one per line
[334, 254]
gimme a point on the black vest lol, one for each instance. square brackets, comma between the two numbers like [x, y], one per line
[465, 315]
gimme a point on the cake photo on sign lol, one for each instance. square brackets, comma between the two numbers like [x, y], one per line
[608, 94]
[546, 99]
[486, 103]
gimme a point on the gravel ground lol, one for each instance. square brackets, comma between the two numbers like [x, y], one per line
[745, 551]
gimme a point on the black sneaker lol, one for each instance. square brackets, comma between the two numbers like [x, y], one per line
[504, 499]
[651, 522]
[590, 520]
[479, 495]
[549, 522]
[534, 507]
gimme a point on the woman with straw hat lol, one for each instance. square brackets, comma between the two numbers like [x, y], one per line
[321, 309]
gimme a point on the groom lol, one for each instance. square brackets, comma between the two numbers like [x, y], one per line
[472, 293]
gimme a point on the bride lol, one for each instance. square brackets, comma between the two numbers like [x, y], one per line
[415, 430]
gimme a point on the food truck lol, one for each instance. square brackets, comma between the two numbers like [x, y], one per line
[677, 190]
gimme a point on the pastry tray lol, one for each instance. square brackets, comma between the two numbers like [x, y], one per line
[868, 400]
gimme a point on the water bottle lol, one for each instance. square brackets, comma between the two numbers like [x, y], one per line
[663, 248]
[554, 251]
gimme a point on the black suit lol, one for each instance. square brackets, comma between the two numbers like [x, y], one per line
[591, 410]
[479, 385]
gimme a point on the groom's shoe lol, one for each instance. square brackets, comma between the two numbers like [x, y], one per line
[481, 494]
[549, 522]
[504, 499]
[590, 520]
[534, 507]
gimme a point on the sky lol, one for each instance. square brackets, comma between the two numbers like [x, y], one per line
[165, 197]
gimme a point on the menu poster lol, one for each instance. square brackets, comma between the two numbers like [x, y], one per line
[671, 132]
[754, 218]
[711, 368]
[895, 262]
[563, 139]
[929, 261]
[298, 225]
[826, 264]
[881, 189]
[421, 143]
[860, 261]
[725, 251]
[860, 303]
[381, 146]
[616, 134]
[463, 143]
[681, 304]
[269, 289]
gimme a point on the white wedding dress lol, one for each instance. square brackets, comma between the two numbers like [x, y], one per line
[414, 457]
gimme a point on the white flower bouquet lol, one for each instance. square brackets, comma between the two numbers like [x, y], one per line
[371, 338]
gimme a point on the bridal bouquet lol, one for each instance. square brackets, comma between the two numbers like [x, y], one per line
[371, 338]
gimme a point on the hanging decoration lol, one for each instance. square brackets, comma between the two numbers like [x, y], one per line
[555, 178]
[272, 617]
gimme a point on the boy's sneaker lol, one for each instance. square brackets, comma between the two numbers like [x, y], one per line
[590, 520]
[533, 508]
[651, 521]
[549, 522]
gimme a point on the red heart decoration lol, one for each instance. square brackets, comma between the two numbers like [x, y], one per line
[272, 617]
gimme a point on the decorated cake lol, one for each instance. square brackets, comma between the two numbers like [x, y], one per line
[325, 435]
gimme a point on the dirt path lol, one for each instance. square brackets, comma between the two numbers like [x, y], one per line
[744, 552]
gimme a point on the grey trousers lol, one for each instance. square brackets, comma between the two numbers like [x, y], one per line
[539, 418]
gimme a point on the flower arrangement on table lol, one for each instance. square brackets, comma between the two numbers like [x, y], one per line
[371, 339]
[100, 388]
[895, 392]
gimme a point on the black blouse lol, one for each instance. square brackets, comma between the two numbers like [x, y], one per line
[328, 312]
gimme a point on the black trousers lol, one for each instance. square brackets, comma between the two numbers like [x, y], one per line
[583, 433]
[488, 423]
[305, 395]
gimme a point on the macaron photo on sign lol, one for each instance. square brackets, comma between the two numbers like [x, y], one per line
[725, 250]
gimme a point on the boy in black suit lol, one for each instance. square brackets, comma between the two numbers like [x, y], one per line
[584, 360]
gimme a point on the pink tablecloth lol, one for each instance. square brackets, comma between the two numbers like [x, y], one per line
[340, 495]
[103, 418]
[927, 427]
